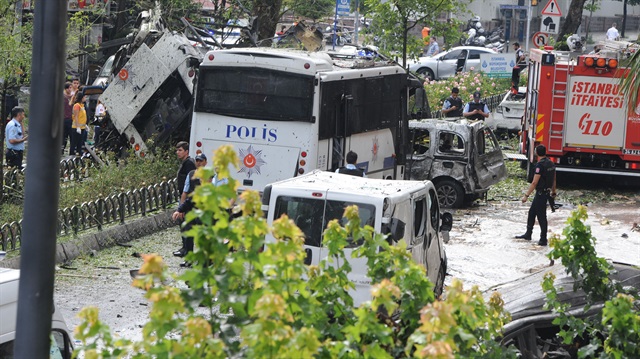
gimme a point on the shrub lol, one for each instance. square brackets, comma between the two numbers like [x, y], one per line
[270, 304]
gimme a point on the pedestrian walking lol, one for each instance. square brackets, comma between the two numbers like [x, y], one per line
[15, 138]
[612, 33]
[186, 165]
[544, 184]
[452, 106]
[67, 103]
[350, 168]
[78, 124]
[476, 109]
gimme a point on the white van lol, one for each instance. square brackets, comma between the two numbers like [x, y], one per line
[406, 210]
[61, 344]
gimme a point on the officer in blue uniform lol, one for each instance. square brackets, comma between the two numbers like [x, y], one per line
[476, 109]
[544, 184]
[452, 106]
[15, 138]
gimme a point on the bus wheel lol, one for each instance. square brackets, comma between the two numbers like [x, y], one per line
[450, 194]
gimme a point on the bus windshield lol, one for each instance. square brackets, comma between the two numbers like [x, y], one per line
[255, 93]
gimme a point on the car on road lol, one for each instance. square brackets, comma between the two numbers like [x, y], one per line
[508, 115]
[531, 329]
[461, 157]
[445, 64]
[61, 340]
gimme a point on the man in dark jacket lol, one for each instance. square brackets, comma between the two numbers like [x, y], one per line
[544, 184]
[350, 168]
[187, 165]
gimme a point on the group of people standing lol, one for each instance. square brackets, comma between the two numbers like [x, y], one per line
[473, 110]
[75, 126]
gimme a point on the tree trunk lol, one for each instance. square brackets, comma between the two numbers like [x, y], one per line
[624, 18]
[268, 13]
[573, 19]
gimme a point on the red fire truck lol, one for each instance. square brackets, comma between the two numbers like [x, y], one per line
[575, 108]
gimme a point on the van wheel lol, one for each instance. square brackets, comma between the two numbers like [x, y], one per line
[450, 194]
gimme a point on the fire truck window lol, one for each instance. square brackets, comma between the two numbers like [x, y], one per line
[450, 143]
[421, 142]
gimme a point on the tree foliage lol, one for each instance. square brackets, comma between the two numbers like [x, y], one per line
[248, 298]
[314, 9]
[616, 332]
[393, 21]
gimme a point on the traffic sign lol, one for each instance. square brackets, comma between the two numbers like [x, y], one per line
[540, 39]
[552, 9]
[550, 24]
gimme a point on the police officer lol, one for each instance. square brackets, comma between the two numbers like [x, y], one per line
[15, 138]
[521, 64]
[544, 183]
[476, 109]
[350, 168]
[452, 106]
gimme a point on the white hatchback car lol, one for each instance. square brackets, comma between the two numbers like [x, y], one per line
[508, 115]
[445, 64]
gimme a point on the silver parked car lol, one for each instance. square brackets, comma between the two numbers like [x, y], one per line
[446, 64]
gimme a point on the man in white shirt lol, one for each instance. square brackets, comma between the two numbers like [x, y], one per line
[612, 33]
[433, 49]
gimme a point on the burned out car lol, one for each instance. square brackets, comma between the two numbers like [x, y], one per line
[461, 157]
[531, 330]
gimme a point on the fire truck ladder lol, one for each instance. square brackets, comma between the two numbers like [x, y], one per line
[558, 102]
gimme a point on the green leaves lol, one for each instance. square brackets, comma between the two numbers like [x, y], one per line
[248, 298]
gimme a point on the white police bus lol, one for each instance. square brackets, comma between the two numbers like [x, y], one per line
[288, 112]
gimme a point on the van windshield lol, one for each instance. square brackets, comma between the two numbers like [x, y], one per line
[312, 215]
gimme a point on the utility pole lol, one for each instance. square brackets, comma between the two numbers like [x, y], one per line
[38, 244]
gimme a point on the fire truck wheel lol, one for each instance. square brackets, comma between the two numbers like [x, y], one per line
[427, 73]
[450, 194]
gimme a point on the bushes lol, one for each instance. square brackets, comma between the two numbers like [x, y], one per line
[272, 305]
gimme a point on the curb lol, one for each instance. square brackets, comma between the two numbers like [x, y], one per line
[106, 238]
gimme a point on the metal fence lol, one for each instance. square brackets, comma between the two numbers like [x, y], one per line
[73, 169]
[114, 209]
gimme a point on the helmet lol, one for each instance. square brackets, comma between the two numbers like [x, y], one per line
[481, 31]
[480, 40]
[475, 18]
[478, 25]
[472, 32]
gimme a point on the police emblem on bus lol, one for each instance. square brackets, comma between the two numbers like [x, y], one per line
[251, 161]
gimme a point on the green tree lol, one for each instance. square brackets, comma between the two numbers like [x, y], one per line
[593, 5]
[572, 21]
[393, 20]
[15, 67]
[314, 9]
